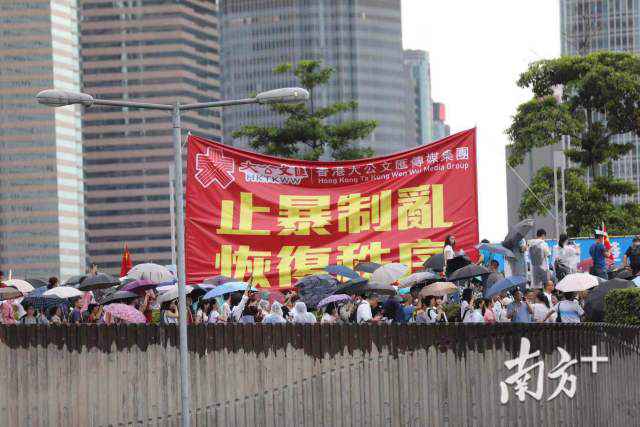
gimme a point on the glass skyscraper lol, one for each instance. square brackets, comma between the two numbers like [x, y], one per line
[360, 39]
[419, 105]
[41, 190]
[149, 50]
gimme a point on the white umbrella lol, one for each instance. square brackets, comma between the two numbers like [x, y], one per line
[21, 285]
[438, 289]
[418, 277]
[388, 273]
[577, 282]
[63, 292]
[171, 293]
[153, 272]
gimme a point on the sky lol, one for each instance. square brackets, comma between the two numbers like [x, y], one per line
[477, 51]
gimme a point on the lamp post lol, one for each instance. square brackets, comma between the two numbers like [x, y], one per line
[57, 98]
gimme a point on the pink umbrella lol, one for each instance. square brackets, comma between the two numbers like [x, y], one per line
[139, 286]
[125, 312]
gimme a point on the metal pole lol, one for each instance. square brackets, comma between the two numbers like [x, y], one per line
[555, 197]
[563, 166]
[172, 213]
[182, 295]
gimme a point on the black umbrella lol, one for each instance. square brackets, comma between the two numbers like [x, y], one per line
[313, 289]
[621, 273]
[594, 305]
[37, 283]
[98, 281]
[117, 296]
[217, 280]
[354, 286]
[469, 272]
[376, 288]
[367, 267]
[74, 280]
[517, 233]
[456, 263]
[435, 262]
[491, 279]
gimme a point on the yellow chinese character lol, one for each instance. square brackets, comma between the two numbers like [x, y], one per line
[247, 209]
[300, 261]
[244, 263]
[301, 214]
[422, 250]
[357, 213]
[415, 211]
[352, 252]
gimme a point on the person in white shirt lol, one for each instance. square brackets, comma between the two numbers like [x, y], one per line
[330, 314]
[466, 305]
[364, 313]
[449, 250]
[202, 315]
[539, 255]
[475, 315]
[301, 315]
[566, 257]
[541, 308]
[214, 313]
[275, 315]
[569, 309]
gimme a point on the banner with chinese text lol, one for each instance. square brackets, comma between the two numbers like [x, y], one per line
[278, 220]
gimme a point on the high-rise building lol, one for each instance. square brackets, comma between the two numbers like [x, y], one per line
[360, 39]
[41, 191]
[440, 128]
[587, 26]
[158, 51]
[419, 106]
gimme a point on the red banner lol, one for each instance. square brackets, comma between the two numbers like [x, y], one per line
[279, 220]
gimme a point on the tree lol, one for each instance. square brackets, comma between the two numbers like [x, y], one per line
[600, 99]
[306, 126]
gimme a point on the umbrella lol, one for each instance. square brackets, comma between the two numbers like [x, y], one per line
[98, 281]
[218, 291]
[37, 283]
[389, 273]
[9, 292]
[636, 281]
[435, 262]
[74, 280]
[378, 288]
[117, 296]
[438, 289]
[352, 286]
[333, 298]
[468, 272]
[404, 291]
[585, 266]
[492, 279]
[218, 280]
[367, 267]
[517, 233]
[21, 285]
[313, 289]
[139, 285]
[415, 278]
[594, 305]
[496, 248]
[456, 263]
[342, 271]
[153, 272]
[577, 282]
[43, 304]
[63, 292]
[504, 284]
[125, 312]
[622, 273]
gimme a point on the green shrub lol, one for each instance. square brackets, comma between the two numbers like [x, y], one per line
[622, 306]
[453, 312]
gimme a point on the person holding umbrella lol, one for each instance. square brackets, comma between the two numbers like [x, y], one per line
[330, 315]
[519, 311]
[364, 312]
[449, 251]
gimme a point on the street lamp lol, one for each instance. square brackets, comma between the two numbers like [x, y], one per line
[58, 98]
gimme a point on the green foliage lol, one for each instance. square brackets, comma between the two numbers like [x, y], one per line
[600, 99]
[305, 126]
[622, 306]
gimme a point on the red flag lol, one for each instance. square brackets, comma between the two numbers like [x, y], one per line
[126, 262]
[607, 244]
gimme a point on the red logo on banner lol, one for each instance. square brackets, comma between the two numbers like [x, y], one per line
[278, 220]
[213, 166]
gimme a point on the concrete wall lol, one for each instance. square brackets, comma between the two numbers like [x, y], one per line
[310, 376]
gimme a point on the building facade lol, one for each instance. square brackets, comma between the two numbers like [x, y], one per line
[440, 128]
[419, 106]
[153, 50]
[41, 189]
[586, 26]
[360, 39]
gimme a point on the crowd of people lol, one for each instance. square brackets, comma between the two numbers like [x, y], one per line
[536, 303]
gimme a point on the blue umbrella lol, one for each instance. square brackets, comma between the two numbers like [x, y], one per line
[496, 248]
[342, 271]
[504, 284]
[226, 288]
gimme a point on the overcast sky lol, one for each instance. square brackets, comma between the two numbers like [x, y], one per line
[477, 50]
